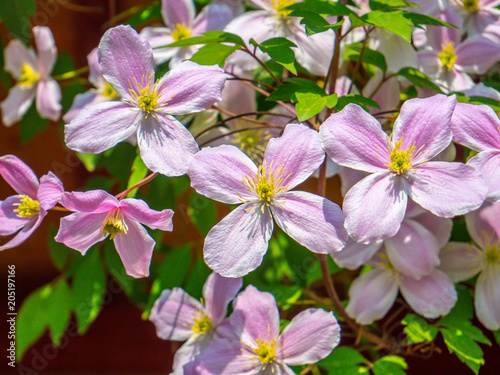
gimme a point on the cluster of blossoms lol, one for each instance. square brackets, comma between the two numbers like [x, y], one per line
[401, 183]
[249, 341]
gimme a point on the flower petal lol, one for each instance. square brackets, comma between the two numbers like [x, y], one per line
[310, 337]
[23, 235]
[81, 230]
[126, 59]
[159, 37]
[255, 316]
[218, 173]
[414, 250]
[476, 127]
[135, 249]
[372, 295]
[212, 17]
[488, 162]
[173, 315]
[483, 224]
[92, 201]
[355, 139]
[45, 48]
[82, 100]
[235, 246]
[166, 145]
[19, 176]
[218, 291]
[190, 87]
[178, 12]
[375, 207]
[477, 54]
[139, 210]
[487, 300]
[355, 254]
[50, 191]
[446, 189]
[99, 127]
[48, 99]
[298, 150]
[225, 357]
[10, 223]
[16, 55]
[297, 212]
[460, 261]
[440, 227]
[425, 123]
[431, 296]
[17, 104]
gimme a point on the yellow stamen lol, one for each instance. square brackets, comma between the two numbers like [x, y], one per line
[202, 325]
[114, 224]
[278, 5]
[470, 5]
[147, 97]
[251, 142]
[109, 92]
[29, 76]
[27, 208]
[447, 56]
[401, 160]
[181, 32]
[266, 351]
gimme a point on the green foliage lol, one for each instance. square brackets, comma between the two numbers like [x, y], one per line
[138, 172]
[314, 22]
[393, 21]
[417, 330]
[213, 54]
[322, 8]
[197, 276]
[209, 37]
[419, 79]
[310, 104]
[279, 49]
[390, 365]
[201, 212]
[344, 360]
[356, 99]
[118, 161]
[497, 336]
[16, 16]
[390, 4]
[369, 56]
[89, 286]
[149, 13]
[460, 336]
[31, 124]
[459, 231]
[59, 253]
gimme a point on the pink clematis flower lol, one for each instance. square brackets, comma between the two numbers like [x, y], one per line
[236, 245]
[478, 128]
[146, 108]
[413, 251]
[372, 294]
[24, 212]
[32, 73]
[101, 92]
[179, 16]
[261, 349]
[99, 214]
[399, 167]
[461, 261]
[179, 317]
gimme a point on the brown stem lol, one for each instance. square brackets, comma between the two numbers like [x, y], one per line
[265, 93]
[144, 181]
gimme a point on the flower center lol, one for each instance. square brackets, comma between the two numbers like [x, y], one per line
[109, 92]
[401, 160]
[202, 325]
[266, 351]
[447, 55]
[114, 224]
[147, 97]
[492, 255]
[266, 184]
[29, 76]
[27, 208]
[278, 5]
[181, 32]
[251, 142]
[470, 5]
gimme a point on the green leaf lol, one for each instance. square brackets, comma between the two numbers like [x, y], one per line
[340, 357]
[286, 91]
[59, 253]
[197, 277]
[393, 21]
[353, 51]
[59, 311]
[464, 347]
[138, 172]
[31, 124]
[421, 19]
[388, 4]
[462, 312]
[331, 100]
[390, 365]
[497, 335]
[356, 99]
[349, 370]
[286, 295]
[30, 323]
[118, 161]
[16, 16]
[149, 13]
[170, 274]
[88, 160]
[202, 212]
[417, 329]
[419, 79]
[314, 22]
[322, 7]
[89, 286]
[308, 105]
[475, 99]
[208, 37]
[279, 50]
[213, 54]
